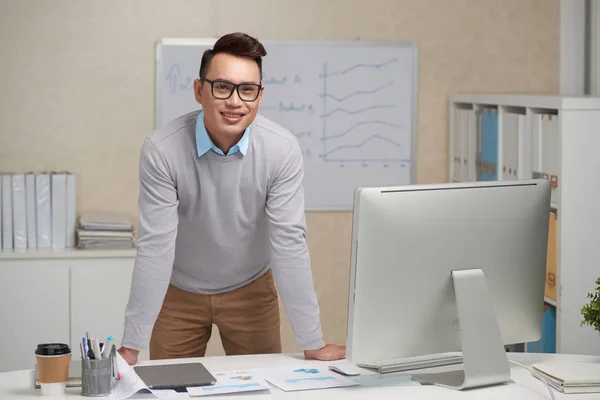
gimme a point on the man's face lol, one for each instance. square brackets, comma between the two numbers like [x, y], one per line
[229, 117]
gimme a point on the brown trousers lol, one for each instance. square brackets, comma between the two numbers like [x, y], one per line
[247, 318]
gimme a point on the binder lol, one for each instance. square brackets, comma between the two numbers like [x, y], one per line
[510, 146]
[479, 145]
[43, 211]
[547, 343]
[457, 145]
[59, 210]
[30, 211]
[19, 212]
[71, 211]
[524, 166]
[489, 144]
[550, 152]
[472, 146]
[1, 215]
[536, 145]
[550, 288]
[7, 221]
[1, 223]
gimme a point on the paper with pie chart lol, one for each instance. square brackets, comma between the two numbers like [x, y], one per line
[231, 382]
[306, 378]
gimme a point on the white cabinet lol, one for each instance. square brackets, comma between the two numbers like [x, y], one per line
[34, 304]
[555, 138]
[58, 296]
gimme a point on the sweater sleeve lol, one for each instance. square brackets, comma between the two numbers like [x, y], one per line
[155, 247]
[290, 260]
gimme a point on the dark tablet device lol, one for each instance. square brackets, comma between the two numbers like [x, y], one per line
[175, 376]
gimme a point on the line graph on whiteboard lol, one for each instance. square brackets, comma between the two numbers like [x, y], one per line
[365, 134]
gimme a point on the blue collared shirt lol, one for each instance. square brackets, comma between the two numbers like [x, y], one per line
[204, 143]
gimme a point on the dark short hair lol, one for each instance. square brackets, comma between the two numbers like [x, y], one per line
[236, 44]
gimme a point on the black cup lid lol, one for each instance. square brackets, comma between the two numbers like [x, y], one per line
[52, 349]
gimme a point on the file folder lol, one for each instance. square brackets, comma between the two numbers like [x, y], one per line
[524, 164]
[489, 144]
[464, 145]
[59, 210]
[551, 161]
[547, 343]
[71, 211]
[7, 220]
[550, 289]
[457, 145]
[19, 212]
[472, 148]
[536, 144]
[30, 211]
[43, 211]
[1, 223]
[510, 146]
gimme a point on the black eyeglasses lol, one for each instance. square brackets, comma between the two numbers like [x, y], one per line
[223, 90]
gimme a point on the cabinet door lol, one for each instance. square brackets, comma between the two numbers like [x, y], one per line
[34, 308]
[99, 295]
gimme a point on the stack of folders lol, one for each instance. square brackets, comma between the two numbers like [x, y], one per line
[37, 210]
[104, 230]
[570, 377]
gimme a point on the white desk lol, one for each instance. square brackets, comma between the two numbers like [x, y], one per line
[17, 385]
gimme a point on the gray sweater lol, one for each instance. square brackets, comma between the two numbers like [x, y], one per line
[214, 223]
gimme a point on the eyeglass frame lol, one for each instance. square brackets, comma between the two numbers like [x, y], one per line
[235, 88]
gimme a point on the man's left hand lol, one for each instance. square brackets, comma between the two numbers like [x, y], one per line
[328, 353]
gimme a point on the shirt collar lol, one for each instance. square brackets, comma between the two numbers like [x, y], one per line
[204, 143]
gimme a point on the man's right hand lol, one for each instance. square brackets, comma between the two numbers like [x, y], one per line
[129, 355]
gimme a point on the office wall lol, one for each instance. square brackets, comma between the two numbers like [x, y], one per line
[77, 81]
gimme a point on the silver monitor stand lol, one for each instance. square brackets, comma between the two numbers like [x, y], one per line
[484, 358]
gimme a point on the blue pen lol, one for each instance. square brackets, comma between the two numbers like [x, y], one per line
[85, 349]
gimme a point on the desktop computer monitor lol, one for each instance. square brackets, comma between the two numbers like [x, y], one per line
[448, 267]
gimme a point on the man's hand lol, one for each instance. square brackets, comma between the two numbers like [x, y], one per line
[328, 353]
[129, 355]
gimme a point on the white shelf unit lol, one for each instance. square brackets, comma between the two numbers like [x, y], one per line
[515, 136]
[58, 296]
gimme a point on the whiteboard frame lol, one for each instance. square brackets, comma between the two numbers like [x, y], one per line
[209, 42]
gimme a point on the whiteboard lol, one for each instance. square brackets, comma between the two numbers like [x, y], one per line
[352, 106]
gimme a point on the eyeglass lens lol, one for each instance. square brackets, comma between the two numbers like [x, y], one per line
[247, 92]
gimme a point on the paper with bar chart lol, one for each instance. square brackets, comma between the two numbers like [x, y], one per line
[351, 106]
[306, 378]
[231, 382]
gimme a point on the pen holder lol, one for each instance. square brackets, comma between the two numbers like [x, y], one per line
[96, 377]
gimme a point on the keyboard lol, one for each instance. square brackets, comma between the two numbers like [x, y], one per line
[416, 362]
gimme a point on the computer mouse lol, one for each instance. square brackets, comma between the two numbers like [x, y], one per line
[345, 369]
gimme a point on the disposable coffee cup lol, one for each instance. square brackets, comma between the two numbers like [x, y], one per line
[53, 360]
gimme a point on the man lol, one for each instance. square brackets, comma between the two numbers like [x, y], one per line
[221, 214]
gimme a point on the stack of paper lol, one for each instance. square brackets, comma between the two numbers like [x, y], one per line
[569, 377]
[97, 230]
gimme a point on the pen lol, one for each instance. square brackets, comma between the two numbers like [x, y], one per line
[90, 350]
[113, 354]
[82, 352]
[85, 349]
